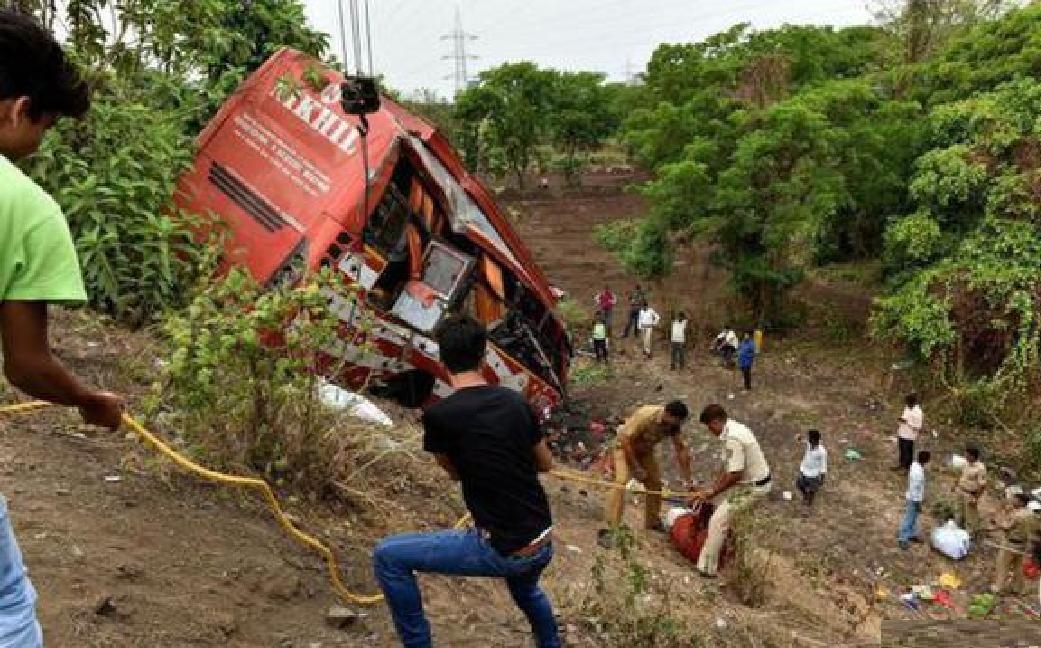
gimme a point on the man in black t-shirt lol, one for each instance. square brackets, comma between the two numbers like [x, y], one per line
[487, 438]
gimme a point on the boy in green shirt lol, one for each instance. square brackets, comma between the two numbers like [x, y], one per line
[38, 266]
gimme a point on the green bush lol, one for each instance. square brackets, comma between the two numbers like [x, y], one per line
[241, 383]
[114, 175]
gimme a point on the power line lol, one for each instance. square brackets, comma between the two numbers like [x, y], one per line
[459, 55]
[368, 37]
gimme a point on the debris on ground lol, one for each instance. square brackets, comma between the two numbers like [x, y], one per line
[341, 617]
[354, 404]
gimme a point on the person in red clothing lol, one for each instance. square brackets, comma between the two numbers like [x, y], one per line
[605, 302]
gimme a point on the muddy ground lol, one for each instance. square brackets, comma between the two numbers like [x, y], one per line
[186, 564]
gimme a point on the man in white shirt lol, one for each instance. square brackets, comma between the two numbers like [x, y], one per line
[907, 431]
[914, 497]
[813, 468]
[646, 321]
[745, 479]
[678, 339]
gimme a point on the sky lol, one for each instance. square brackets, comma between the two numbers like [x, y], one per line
[615, 37]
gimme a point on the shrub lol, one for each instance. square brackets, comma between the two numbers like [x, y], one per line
[242, 380]
[114, 175]
[623, 609]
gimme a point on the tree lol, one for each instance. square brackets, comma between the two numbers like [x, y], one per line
[581, 117]
[515, 101]
[923, 27]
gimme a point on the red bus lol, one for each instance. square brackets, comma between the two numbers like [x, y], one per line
[287, 170]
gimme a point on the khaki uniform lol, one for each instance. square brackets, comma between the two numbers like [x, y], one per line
[1022, 527]
[646, 430]
[740, 453]
[968, 490]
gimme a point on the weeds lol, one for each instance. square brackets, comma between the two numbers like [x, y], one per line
[751, 569]
[592, 374]
[631, 606]
[242, 380]
[576, 316]
[624, 608]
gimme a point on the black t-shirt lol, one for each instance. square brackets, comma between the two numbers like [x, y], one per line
[490, 433]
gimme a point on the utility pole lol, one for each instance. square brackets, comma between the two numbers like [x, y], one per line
[459, 57]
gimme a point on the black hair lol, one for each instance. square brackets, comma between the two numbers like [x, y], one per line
[682, 315]
[814, 436]
[924, 456]
[973, 452]
[678, 409]
[1022, 498]
[911, 400]
[33, 65]
[713, 412]
[463, 342]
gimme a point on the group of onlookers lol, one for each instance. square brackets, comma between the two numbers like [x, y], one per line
[642, 320]
[1017, 523]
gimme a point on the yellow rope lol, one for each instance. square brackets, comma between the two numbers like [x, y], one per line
[569, 475]
[331, 562]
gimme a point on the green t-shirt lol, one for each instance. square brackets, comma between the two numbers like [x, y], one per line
[37, 257]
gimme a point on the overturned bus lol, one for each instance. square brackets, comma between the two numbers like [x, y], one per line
[297, 184]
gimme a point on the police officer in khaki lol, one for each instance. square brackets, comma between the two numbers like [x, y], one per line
[634, 458]
[1021, 528]
[744, 480]
[968, 489]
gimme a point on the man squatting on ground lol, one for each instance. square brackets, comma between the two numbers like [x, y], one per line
[487, 438]
[745, 480]
[38, 266]
[633, 457]
[813, 468]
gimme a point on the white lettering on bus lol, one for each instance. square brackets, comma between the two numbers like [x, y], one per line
[322, 119]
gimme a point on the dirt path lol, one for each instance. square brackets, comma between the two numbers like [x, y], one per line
[186, 564]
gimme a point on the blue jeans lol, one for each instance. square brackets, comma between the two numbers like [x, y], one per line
[909, 523]
[18, 626]
[458, 553]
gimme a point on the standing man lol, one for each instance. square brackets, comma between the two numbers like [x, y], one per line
[634, 458]
[910, 425]
[648, 320]
[678, 340]
[600, 338]
[745, 479]
[1020, 528]
[745, 358]
[636, 300]
[914, 497]
[38, 266]
[605, 303]
[968, 489]
[485, 437]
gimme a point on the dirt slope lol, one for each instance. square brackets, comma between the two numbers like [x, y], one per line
[187, 564]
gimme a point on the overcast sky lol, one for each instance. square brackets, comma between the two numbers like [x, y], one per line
[610, 36]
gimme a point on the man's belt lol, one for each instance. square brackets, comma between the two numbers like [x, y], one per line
[534, 547]
[764, 481]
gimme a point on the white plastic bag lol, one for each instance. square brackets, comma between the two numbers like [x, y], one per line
[951, 541]
[356, 405]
